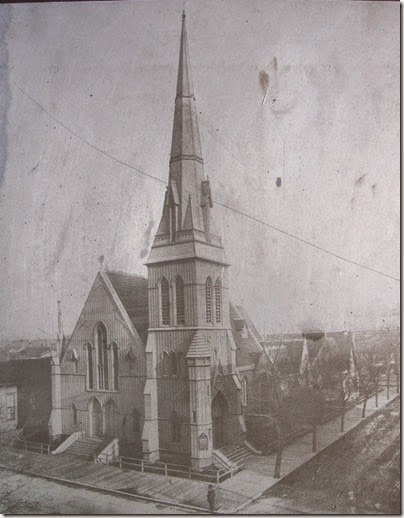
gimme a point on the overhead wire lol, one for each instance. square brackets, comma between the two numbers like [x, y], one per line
[224, 205]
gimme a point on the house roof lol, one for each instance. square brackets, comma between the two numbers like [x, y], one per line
[286, 355]
[28, 371]
[333, 355]
[246, 337]
[31, 352]
[132, 292]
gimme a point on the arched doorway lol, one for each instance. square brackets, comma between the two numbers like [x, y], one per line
[111, 419]
[220, 410]
[96, 426]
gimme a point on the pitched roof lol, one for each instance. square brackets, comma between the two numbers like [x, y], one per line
[27, 371]
[198, 347]
[132, 292]
[246, 337]
[32, 351]
[333, 356]
[286, 355]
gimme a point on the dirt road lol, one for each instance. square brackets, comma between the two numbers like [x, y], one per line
[24, 494]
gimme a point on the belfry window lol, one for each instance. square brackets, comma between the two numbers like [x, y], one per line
[208, 297]
[218, 301]
[165, 302]
[180, 301]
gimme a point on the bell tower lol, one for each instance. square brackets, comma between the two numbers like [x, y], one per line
[190, 348]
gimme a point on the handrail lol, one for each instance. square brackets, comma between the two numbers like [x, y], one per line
[42, 447]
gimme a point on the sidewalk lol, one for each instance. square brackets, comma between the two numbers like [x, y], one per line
[257, 475]
[233, 494]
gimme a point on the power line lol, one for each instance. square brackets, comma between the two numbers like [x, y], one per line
[308, 242]
[89, 143]
[237, 211]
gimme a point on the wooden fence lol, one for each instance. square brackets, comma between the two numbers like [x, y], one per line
[164, 468]
[36, 447]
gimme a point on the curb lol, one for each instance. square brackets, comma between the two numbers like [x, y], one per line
[365, 419]
[130, 496]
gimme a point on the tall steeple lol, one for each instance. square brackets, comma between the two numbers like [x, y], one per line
[188, 199]
[186, 141]
[189, 339]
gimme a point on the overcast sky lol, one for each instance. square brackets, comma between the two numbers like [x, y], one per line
[81, 81]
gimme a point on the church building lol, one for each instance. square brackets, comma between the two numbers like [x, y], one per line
[155, 361]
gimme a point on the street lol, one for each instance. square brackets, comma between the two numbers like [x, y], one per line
[23, 494]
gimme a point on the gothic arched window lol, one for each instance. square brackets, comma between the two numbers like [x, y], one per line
[166, 366]
[115, 366]
[180, 301]
[165, 302]
[173, 364]
[218, 300]
[244, 391]
[208, 297]
[105, 366]
[90, 366]
[74, 414]
[102, 355]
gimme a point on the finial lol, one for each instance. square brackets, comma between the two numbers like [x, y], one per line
[183, 14]
[101, 260]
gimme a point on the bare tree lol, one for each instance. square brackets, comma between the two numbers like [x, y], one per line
[395, 363]
[370, 369]
[274, 409]
[306, 404]
[345, 390]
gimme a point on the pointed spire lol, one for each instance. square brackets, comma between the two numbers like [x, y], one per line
[187, 207]
[186, 140]
[185, 87]
[186, 164]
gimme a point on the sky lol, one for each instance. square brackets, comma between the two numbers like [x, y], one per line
[307, 91]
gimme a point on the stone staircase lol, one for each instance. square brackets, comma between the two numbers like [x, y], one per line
[237, 453]
[85, 447]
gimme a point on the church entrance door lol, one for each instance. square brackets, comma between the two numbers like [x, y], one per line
[111, 419]
[220, 410]
[95, 418]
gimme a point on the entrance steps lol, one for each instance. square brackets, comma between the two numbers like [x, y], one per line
[86, 447]
[236, 453]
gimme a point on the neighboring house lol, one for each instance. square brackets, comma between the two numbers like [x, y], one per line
[251, 360]
[32, 377]
[8, 408]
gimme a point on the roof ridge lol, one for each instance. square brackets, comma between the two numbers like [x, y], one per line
[120, 272]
